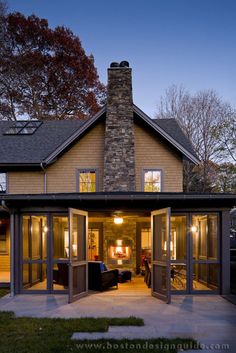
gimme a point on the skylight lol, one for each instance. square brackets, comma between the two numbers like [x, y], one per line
[23, 127]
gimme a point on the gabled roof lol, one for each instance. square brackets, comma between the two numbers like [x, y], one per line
[54, 137]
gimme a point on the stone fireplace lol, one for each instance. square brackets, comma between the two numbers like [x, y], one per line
[119, 247]
[119, 251]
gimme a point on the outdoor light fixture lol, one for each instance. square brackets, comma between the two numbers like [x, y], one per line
[118, 220]
[194, 229]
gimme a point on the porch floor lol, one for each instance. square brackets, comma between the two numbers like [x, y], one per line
[208, 318]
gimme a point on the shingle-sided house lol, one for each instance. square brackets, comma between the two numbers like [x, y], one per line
[109, 188]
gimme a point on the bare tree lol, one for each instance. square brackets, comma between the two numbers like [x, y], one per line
[226, 135]
[201, 117]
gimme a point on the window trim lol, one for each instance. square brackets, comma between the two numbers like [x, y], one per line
[144, 170]
[87, 170]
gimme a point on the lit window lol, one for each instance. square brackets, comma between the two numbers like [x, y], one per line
[87, 181]
[93, 244]
[3, 182]
[152, 180]
[145, 245]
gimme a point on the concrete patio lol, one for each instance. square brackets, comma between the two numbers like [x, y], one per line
[208, 318]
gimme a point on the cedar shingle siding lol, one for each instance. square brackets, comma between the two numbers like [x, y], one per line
[89, 153]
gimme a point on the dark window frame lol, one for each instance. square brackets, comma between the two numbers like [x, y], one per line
[87, 170]
[145, 170]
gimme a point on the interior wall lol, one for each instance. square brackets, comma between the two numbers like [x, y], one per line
[125, 231]
[5, 257]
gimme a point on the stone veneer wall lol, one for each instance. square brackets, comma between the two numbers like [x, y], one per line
[119, 153]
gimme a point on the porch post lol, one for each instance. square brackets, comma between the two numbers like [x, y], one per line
[225, 252]
[12, 254]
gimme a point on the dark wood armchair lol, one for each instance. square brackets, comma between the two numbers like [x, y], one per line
[98, 279]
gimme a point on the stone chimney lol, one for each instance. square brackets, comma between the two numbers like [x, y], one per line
[119, 158]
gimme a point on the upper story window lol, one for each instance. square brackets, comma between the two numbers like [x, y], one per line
[88, 181]
[3, 182]
[152, 180]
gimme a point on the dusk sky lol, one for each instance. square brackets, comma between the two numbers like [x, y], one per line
[188, 42]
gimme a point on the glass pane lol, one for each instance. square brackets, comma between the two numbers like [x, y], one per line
[205, 236]
[36, 237]
[148, 187]
[93, 244]
[178, 277]
[178, 237]
[74, 236]
[205, 276]
[156, 187]
[44, 237]
[13, 131]
[20, 123]
[3, 182]
[60, 276]
[26, 275]
[160, 238]
[156, 177]
[212, 242]
[79, 279]
[27, 130]
[34, 276]
[148, 177]
[81, 238]
[25, 237]
[159, 279]
[145, 245]
[60, 237]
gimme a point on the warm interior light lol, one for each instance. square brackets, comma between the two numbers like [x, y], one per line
[194, 229]
[45, 229]
[171, 246]
[118, 220]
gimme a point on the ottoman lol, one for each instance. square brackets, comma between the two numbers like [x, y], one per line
[124, 275]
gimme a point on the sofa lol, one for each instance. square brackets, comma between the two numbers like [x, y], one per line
[99, 278]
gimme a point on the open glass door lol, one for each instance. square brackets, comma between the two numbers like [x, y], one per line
[161, 275]
[78, 264]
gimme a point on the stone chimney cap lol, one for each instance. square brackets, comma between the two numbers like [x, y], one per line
[121, 64]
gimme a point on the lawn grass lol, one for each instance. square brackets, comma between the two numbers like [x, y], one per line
[4, 291]
[40, 335]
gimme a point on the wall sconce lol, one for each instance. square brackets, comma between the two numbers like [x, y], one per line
[194, 229]
[45, 229]
[118, 220]
[171, 246]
